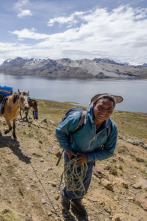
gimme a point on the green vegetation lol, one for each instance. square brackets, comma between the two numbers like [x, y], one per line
[8, 215]
[128, 123]
[131, 123]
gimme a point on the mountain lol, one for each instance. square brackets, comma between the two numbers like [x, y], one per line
[67, 68]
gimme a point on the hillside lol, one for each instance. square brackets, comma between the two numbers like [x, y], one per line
[29, 176]
[67, 68]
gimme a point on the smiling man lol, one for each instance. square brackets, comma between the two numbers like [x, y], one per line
[95, 141]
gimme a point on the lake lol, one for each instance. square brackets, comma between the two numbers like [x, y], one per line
[81, 91]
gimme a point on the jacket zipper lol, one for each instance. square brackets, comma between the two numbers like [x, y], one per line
[95, 136]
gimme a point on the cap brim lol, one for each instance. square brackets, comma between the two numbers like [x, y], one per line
[118, 99]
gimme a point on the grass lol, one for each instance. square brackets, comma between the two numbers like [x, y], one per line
[128, 123]
[131, 123]
[8, 215]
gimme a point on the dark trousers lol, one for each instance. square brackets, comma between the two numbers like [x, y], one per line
[78, 195]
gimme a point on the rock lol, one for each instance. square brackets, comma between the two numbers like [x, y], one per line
[93, 199]
[137, 186]
[107, 209]
[99, 173]
[120, 159]
[136, 142]
[53, 184]
[58, 154]
[57, 197]
[138, 218]
[41, 160]
[51, 122]
[116, 198]
[49, 213]
[142, 201]
[145, 146]
[44, 120]
[107, 184]
[43, 201]
[121, 182]
[142, 184]
[117, 219]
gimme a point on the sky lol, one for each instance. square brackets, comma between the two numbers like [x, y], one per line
[75, 29]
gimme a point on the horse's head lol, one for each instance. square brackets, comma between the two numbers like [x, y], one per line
[23, 99]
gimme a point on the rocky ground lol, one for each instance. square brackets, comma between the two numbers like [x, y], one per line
[29, 178]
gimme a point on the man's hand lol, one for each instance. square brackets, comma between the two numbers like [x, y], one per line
[82, 158]
[70, 153]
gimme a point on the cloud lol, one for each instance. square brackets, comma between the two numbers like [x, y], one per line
[24, 13]
[119, 35]
[72, 19]
[19, 6]
[29, 34]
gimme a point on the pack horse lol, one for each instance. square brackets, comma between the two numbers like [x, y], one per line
[32, 104]
[12, 105]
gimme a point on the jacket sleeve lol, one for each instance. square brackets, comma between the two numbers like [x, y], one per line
[64, 129]
[108, 149]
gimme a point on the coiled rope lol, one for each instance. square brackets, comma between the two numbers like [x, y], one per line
[74, 176]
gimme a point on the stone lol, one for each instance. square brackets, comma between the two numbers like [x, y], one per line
[93, 199]
[57, 197]
[44, 120]
[107, 209]
[107, 184]
[58, 154]
[52, 122]
[145, 146]
[121, 182]
[99, 173]
[138, 218]
[49, 213]
[43, 201]
[53, 184]
[137, 186]
[142, 201]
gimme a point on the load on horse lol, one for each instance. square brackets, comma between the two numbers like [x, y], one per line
[32, 104]
[11, 103]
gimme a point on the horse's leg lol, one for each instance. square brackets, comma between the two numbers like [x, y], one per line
[27, 115]
[20, 113]
[9, 125]
[14, 126]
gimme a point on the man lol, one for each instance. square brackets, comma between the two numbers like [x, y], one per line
[89, 144]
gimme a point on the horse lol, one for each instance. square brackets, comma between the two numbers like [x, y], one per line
[12, 106]
[32, 104]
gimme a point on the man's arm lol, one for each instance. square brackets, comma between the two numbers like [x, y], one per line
[108, 149]
[64, 129]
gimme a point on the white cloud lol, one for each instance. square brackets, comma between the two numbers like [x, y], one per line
[18, 5]
[72, 19]
[24, 13]
[30, 34]
[119, 34]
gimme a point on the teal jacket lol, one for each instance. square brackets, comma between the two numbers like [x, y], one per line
[97, 145]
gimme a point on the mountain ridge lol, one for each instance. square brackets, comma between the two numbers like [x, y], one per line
[68, 68]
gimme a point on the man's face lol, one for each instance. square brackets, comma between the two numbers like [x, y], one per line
[102, 110]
